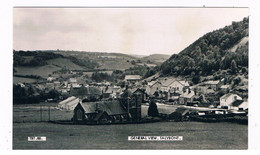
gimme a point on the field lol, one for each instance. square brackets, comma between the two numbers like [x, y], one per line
[21, 79]
[196, 135]
[42, 71]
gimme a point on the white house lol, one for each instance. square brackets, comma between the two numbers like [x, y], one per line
[186, 97]
[152, 87]
[239, 105]
[227, 100]
[175, 85]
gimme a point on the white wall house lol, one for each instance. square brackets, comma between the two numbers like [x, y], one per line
[175, 85]
[227, 100]
[152, 87]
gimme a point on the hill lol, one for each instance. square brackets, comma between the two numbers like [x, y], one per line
[156, 58]
[38, 63]
[223, 49]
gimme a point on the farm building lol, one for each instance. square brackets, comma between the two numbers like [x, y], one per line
[100, 112]
[69, 103]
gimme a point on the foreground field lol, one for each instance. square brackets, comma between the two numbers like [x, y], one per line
[196, 135]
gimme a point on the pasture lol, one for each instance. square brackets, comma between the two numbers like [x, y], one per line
[196, 135]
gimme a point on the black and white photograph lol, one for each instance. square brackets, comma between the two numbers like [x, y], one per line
[130, 78]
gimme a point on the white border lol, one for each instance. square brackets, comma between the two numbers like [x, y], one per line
[6, 56]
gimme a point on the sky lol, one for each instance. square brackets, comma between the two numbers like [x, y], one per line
[138, 31]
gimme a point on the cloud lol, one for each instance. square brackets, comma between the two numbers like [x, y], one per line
[126, 30]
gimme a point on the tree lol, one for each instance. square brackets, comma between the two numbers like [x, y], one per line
[233, 66]
[152, 110]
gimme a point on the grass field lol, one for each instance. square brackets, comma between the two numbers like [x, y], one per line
[196, 135]
[21, 79]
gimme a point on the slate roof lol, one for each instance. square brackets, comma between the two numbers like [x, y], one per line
[111, 107]
[170, 81]
[85, 91]
[132, 77]
[226, 96]
[237, 103]
[211, 82]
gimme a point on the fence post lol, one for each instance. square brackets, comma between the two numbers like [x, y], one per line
[49, 113]
[41, 112]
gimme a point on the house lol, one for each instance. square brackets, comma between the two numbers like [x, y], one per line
[227, 100]
[239, 105]
[86, 92]
[72, 80]
[112, 92]
[132, 78]
[100, 112]
[69, 103]
[175, 85]
[152, 87]
[225, 88]
[213, 84]
[50, 79]
[186, 97]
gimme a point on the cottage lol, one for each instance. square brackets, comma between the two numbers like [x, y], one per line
[100, 112]
[152, 87]
[215, 85]
[227, 100]
[187, 97]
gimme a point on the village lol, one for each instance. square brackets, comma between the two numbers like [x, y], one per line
[110, 102]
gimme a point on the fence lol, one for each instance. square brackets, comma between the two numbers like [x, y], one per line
[39, 113]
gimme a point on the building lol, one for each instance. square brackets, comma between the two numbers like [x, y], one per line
[50, 79]
[112, 92]
[86, 92]
[215, 85]
[175, 86]
[132, 102]
[225, 88]
[100, 112]
[141, 92]
[239, 105]
[227, 100]
[69, 103]
[132, 78]
[152, 87]
[187, 97]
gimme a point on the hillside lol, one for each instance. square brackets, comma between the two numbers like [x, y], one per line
[223, 49]
[156, 58]
[38, 63]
